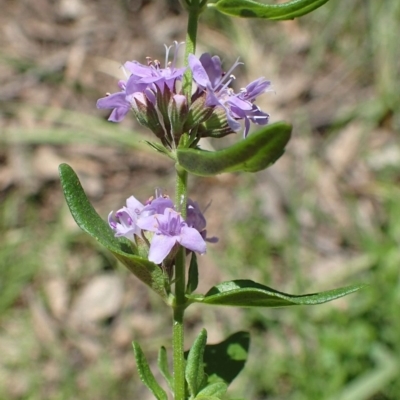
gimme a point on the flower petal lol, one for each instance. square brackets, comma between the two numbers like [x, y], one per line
[191, 239]
[160, 247]
[199, 73]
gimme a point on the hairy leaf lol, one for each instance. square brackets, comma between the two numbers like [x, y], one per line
[255, 153]
[194, 371]
[246, 293]
[253, 9]
[145, 374]
[89, 221]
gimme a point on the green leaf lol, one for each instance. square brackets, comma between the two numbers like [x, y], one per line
[223, 361]
[255, 153]
[246, 293]
[194, 371]
[253, 9]
[145, 374]
[193, 276]
[160, 149]
[89, 221]
[214, 390]
[162, 362]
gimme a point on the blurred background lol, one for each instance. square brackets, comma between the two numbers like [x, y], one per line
[326, 214]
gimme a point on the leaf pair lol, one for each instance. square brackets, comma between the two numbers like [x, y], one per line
[239, 293]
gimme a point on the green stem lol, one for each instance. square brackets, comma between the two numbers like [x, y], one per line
[191, 37]
[180, 298]
[194, 9]
[178, 354]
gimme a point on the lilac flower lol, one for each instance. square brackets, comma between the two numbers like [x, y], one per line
[170, 228]
[208, 75]
[122, 101]
[157, 206]
[195, 219]
[124, 223]
[158, 215]
[152, 73]
[144, 80]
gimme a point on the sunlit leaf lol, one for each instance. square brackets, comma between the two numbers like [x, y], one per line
[89, 221]
[254, 9]
[246, 293]
[194, 372]
[255, 153]
[162, 362]
[145, 374]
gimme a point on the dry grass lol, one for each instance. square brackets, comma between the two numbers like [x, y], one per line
[325, 214]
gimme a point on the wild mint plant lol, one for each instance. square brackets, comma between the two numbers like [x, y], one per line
[159, 238]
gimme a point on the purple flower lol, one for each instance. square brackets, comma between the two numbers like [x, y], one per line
[121, 102]
[158, 215]
[144, 80]
[195, 219]
[124, 223]
[208, 75]
[170, 228]
[152, 73]
[157, 206]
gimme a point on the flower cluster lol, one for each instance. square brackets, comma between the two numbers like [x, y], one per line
[214, 109]
[158, 221]
[210, 78]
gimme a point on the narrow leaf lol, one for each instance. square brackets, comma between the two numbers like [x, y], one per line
[194, 371]
[193, 276]
[246, 293]
[160, 149]
[89, 221]
[162, 362]
[145, 374]
[255, 153]
[253, 9]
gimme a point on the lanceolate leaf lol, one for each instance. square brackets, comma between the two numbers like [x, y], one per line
[146, 375]
[252, 9]
[193, 275]
[162, 362]
[89, 221]
[255, 153]
[246, 293]
[194, 371]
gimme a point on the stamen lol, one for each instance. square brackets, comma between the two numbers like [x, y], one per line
[231, 78]
[236, 63]
[177, 46]
[167, 49]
